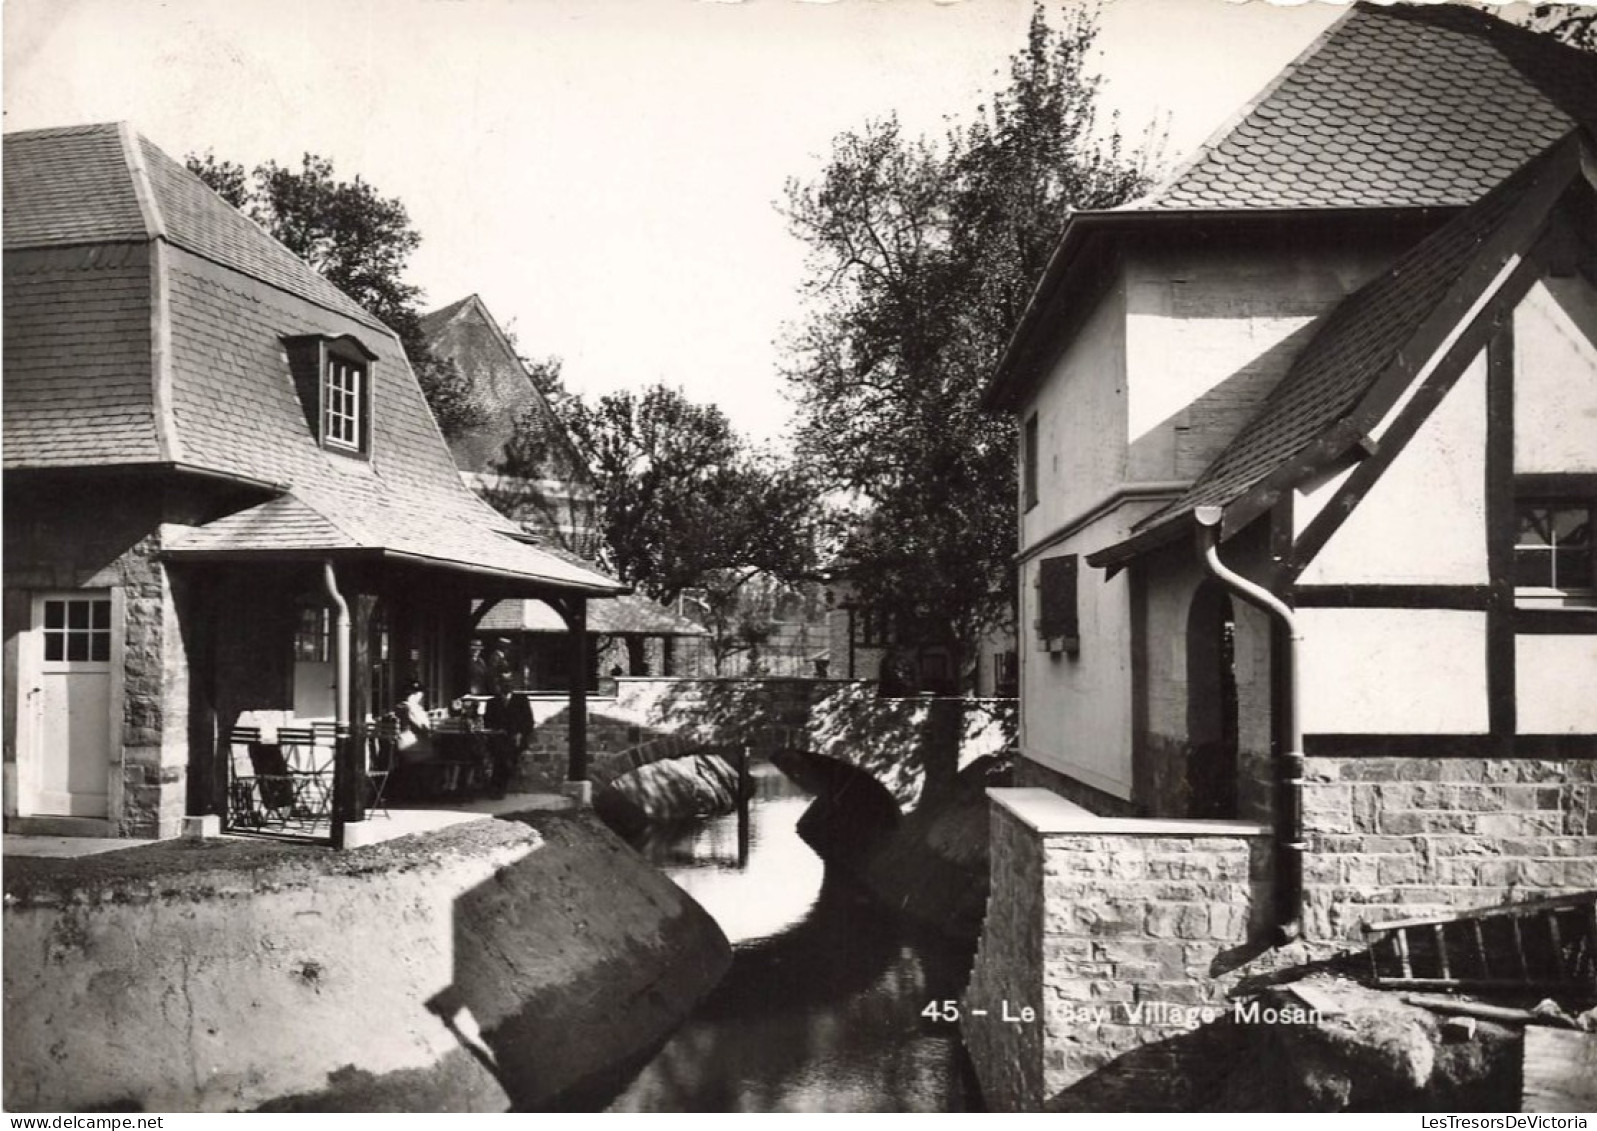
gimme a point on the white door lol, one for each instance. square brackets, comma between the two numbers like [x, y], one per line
[71, 739]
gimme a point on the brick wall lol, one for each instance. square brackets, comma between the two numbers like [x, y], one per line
[1396, 838]
[1113, 931]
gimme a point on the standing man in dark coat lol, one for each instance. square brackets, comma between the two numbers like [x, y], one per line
[508, 717]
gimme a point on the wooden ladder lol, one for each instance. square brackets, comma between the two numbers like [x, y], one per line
[1544, 944]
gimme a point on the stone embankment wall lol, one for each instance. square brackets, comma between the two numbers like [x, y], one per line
[505, 964]
[1111, 932]
[1397, 838]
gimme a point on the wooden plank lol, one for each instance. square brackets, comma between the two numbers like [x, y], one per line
[1558, 945]
[1560, 1071]
[1441, 951]
[1402, 952]
[1480, 944]
[1520, 907]
[1519, 948]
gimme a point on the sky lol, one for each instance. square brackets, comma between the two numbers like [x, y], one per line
[606, 174]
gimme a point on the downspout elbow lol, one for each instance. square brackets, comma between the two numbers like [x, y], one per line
[1289, 767]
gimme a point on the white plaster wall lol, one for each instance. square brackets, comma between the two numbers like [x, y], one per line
[1393, 671]
[1209, 332]
[1310, 498]
[1076, 710]
[1555, 683]
[1555, 378]
[1424, 520]
[1080, 409]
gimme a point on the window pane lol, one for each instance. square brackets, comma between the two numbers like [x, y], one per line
[52, 646]
[1535, 527]
[100, 646]
[77, 614]
[1572, 567]
[1533, 567]
[77, 646]
[55, 614]
[102, 614]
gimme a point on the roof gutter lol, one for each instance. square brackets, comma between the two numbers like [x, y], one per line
[1289, 765]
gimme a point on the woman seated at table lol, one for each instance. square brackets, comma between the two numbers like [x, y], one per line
[415, 728]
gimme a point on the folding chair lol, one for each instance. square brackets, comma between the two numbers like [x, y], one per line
[382, 747]
[244, 806]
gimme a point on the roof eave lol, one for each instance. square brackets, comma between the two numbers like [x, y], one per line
[531, 584]
[1068, 272]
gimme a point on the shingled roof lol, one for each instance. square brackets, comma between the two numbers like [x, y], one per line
[1376, 338]
[1407, 105]
[502, 389]
[145, 325]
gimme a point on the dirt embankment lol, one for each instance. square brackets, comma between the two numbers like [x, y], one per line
[509, 964]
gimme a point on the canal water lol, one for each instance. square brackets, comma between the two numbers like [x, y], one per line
[821, 1010]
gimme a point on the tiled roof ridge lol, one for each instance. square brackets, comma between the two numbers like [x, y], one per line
[82, 129]
[434, 321]
[168, 441]
[1243, 112]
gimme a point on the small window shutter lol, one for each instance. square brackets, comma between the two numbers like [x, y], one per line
[1057, 625]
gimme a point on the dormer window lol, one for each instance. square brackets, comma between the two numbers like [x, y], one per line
[333, 376]
[343, 403]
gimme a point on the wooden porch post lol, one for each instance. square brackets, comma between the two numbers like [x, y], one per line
[577, 711]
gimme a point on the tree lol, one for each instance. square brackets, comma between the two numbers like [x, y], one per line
[1574, 24]
[682, 502]
[360, 242]
[923, 255]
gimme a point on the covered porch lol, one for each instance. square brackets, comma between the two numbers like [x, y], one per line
[297, 660]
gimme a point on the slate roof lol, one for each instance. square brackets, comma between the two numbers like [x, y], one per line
[1363, 338]
[85, 382]
[1408, 105]
[633, 614]
[502, 388]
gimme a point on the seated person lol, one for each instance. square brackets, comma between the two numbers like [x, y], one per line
[415, 742]
[508, 717]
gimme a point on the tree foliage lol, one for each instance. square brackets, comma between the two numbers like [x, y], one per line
[923, 255]
[360, 241]
[1574, 24]
[682, 502]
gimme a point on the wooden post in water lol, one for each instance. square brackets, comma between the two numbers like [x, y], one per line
[744, 792]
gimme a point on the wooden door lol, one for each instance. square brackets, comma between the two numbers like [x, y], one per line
[70, 704]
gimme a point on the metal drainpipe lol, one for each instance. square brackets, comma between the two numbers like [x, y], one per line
[345, 787]
[1289, 768]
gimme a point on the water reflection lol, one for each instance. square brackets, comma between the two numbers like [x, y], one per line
[821, 1009]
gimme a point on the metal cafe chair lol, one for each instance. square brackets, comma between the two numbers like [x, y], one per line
[382, 749]
[244, 805]
[309, 767]
[262, 797]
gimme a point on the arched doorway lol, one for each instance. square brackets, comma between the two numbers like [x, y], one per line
[1211, 770]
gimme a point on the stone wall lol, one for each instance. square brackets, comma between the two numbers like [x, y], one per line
[72, 536]
[1393, 838]
[1115, 933]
